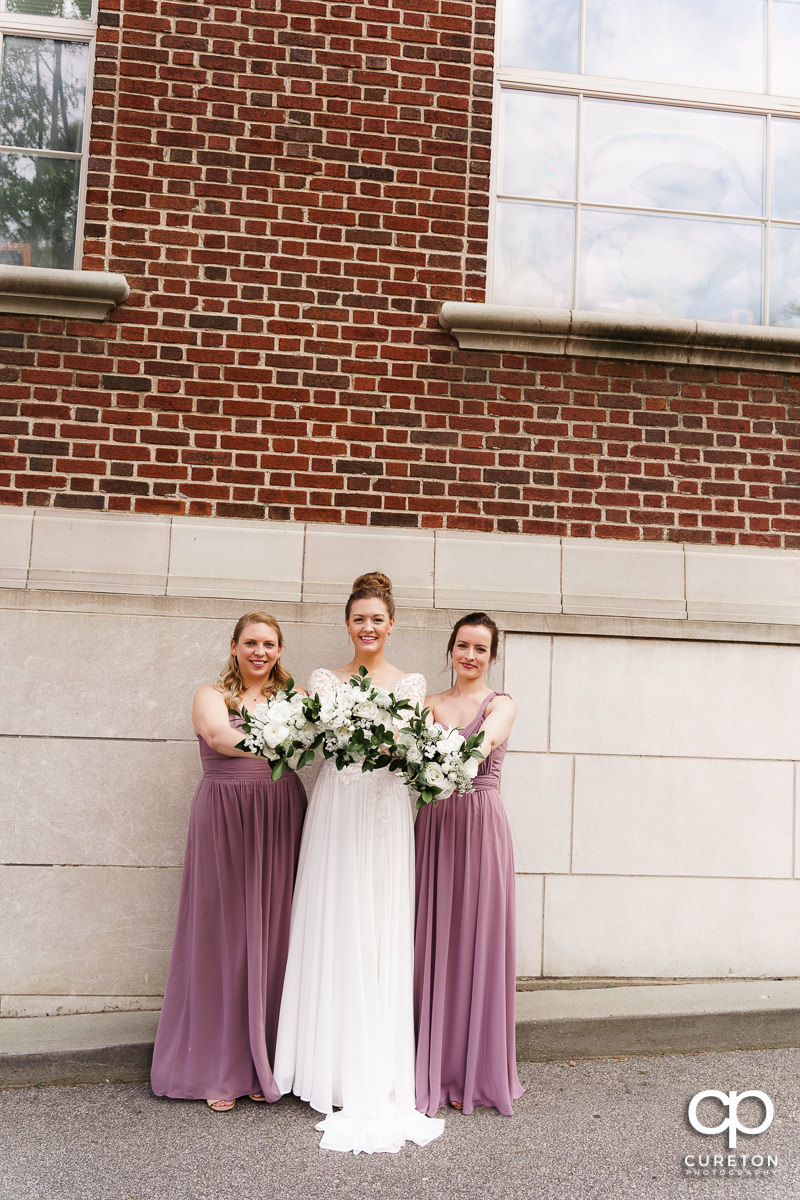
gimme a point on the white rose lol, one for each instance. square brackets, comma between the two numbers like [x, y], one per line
[434, 775]
[450, 743]
[281, 711]
[366, 710]
[471, 767]
[274, 734]
[414, 754]
[384, 718]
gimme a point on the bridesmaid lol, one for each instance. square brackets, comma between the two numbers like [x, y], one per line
[216, 1036]
[464, 971]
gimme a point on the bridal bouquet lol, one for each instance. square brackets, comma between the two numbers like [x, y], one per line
[435, 761]
[281, 731]
[356, 722]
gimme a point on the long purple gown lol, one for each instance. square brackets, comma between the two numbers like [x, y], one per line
[464, 952]
[216, 1036]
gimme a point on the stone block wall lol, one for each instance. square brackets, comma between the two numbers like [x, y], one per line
[651, 780]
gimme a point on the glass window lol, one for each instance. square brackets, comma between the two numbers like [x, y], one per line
[666, 137]
[44, 74]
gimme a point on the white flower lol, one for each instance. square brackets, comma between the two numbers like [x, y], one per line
[451, 743]
[274, 734]
[405, 738]
[366, 710]
[471, 767]
[281, 711]
[434, 775]
[413, 753]
[383, 717]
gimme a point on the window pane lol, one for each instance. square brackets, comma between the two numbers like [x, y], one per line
[670, 266]
[649, 155]
[533, 255]
[785, 47]
[541, 33]
[73, 9]
[784, 276]
[785, 169]
[538, 145]
[706, 43]
[38, 210]
[42, 92]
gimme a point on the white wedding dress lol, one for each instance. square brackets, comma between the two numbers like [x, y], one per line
[346, 1027]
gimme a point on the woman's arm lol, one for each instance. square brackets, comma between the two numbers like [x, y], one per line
[497, 724]
[210, 720]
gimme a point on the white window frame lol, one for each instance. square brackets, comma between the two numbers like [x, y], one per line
[496, 326]
[44, 290]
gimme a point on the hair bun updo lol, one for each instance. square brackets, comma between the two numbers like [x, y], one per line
[373, 584]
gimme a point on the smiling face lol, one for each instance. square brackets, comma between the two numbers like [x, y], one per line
[472, 651]
[369, 625]
[257, 651]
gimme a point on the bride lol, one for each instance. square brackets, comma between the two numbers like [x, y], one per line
[346, 1026]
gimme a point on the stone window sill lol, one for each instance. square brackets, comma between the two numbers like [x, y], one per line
[550, 331]
[44, 292]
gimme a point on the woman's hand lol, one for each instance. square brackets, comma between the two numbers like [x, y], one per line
[210, 721]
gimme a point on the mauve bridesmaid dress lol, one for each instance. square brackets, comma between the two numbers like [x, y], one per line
[216, 1036]
[464, 954]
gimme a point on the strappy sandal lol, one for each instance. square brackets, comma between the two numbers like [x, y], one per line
[456, 1104]
[224, 1105]
[258, 1097]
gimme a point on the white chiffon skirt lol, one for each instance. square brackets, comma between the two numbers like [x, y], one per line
[346, 1027]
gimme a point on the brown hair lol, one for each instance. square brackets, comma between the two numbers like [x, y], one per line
[230, 682]
[476, 618]
[373, 584]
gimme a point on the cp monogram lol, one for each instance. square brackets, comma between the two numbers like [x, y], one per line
[731, 1101]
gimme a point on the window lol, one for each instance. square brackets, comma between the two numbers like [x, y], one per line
[647, 158]
[46, 49]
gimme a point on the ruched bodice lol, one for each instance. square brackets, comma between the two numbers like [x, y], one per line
[216, 764]
[488, 776]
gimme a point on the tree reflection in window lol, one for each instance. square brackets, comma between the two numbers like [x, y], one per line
[42, 101]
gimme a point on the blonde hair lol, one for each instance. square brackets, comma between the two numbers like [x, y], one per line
[373, 584]
[230, 682]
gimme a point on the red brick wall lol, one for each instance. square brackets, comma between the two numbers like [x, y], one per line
[292, 189]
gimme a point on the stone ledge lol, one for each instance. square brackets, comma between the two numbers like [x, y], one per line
[45, 292]
[571, 332]
[567, 1021]
[654, 585]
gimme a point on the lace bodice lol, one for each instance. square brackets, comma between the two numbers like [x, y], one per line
[410, 687]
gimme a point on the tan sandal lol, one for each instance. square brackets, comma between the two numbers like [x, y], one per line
[224, 1105]
[258, 1097]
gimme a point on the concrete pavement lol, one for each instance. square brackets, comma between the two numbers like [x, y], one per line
[600, 1130]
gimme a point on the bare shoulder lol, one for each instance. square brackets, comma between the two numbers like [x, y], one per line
[502, 704]
[435, 699]
[209, 693]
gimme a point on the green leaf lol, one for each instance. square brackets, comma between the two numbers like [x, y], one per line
[278, 769]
